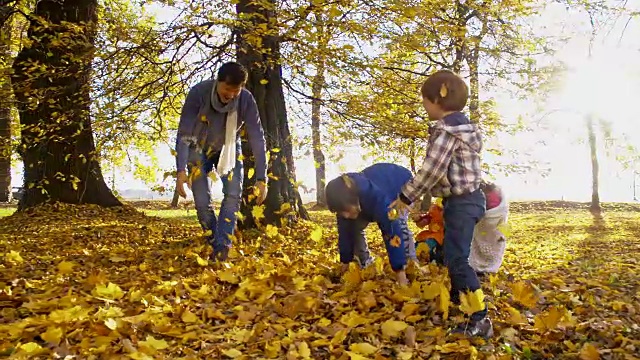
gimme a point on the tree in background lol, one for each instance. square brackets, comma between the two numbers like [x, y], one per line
[6, 106]
[258, 49]
[52, 83]
[489, 43]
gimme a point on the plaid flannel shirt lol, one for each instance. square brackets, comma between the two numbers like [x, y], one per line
[452, 165]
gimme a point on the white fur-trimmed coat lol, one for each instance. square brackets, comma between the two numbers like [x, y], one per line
[489, 242]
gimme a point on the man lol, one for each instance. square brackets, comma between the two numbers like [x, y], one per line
[213, 112]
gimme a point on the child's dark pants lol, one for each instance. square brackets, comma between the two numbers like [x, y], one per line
[461, 213]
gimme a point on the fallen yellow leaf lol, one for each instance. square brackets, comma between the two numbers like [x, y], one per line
[393, 328]
[228, 276]
[232, 353]
[272, 349]
[524, 294]
[201, 261]
[471, 302]
[66, 267]
[356, 356]
[153, 343]
[363, 348]
[109, 292]
[111, 323]
[303, 350]
[53, 335]
[548, 320]
[189, 317]
[316, 234]
[13, 257]
[31, 348]
[589, 352]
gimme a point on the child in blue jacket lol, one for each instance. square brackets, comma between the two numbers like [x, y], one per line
[361, 198]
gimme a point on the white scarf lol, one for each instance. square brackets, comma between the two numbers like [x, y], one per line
[227, 160]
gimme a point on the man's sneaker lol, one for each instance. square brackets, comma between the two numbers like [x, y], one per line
[482, 328]
[219, 255]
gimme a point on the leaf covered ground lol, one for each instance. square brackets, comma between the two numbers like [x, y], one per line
[99, 283]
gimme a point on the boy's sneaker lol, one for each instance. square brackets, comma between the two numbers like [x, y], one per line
[364, 264]
[481, 328]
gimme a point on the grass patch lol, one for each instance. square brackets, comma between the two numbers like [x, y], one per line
[6, 211]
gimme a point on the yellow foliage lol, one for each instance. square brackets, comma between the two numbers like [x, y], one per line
[285, 298]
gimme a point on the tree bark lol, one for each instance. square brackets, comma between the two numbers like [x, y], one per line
[261, 56]
[412, 155]
[175, 200]
[318, 155]
[6, 105]
[595, 168]
[51, 83]
[474, 84]
[459, 46]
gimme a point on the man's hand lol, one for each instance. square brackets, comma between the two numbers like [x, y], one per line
[182, 179]
[260, 191]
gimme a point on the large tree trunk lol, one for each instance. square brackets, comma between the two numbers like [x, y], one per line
[51, 83]
[595, 194]
[261, 55]
[6, 59]
[318, 155]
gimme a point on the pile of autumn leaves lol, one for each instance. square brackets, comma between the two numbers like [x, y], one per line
[101, 283]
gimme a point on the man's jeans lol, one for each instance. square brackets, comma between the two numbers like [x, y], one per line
[354, 245]
[461, 214]
[223, 226]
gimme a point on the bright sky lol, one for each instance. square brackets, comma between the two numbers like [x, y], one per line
[606, 85]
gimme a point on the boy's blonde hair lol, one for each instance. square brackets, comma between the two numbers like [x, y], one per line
[447, 89]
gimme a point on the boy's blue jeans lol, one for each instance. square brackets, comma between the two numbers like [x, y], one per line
[461, 214]
[221, 227]
[354, 244]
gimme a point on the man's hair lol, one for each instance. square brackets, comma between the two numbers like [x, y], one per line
[233, 74]
[341, 193]
[447, 89]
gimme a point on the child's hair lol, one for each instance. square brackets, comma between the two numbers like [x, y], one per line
[341, 193]
[447, 89]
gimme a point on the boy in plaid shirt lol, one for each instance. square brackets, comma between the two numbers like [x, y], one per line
[451, 170]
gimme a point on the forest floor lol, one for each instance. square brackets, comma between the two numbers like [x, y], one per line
[133, 283]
